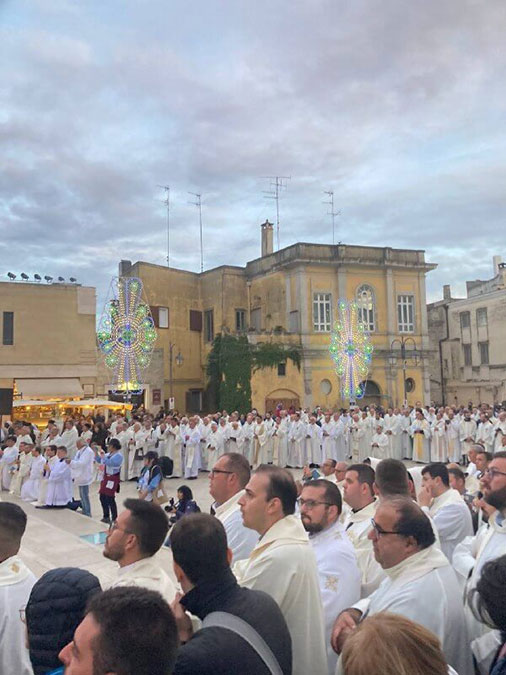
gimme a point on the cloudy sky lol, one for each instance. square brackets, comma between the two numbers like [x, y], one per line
[399, 106]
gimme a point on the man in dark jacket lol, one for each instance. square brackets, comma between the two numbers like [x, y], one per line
[202, 567]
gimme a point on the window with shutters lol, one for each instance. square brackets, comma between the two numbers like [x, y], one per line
[365, 307]
[481, 316]
[160, 316]
[294, 322]
[8, 328]
[465, 319]
[240, 320]
[281, 369]
[256, 318]
[195, 320]
[483, 353]
[406, 313]
[209, 325]
[322, 312]
[468, 360]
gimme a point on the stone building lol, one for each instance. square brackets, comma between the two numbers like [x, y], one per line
[47, 339]
[468, 342]
[290, 296]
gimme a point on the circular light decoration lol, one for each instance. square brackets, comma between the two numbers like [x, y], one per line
[351, 350]
[126, 335]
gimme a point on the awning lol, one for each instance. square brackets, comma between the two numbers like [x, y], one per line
[54, 387]
[97, 403]
[21, 403]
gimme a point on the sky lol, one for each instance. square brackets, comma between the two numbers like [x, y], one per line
[398, 106]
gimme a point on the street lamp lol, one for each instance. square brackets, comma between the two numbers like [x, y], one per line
[404, 355]
[179, 362]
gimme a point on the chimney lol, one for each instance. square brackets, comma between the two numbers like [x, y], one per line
[447, 292]
[497, 260]
[267, 238]
[125, 268]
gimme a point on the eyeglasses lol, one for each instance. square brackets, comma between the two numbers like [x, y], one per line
[311, 503]
[494, 472]
[379, 530]
[114, 526]
[215, 471]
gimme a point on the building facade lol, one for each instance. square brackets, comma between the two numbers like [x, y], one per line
[468, 342]
[47, 340]
[290, 296]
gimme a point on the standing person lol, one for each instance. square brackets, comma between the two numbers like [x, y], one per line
[499, 431]
[31, 487]
[227, 480]
[439, 446]
[210, 587]
[8, 459]
[314, 442]
[420, 433]
[16, 582]
[50, 623]
[214, 444]
[453, 437]
[191, 450]
[248, 431]
[338, 571]
[50, 459]
[420, 584]
[133, 541]
[151, 476]
[467, 434]
[69, 438]
[131, 631]
[405, 425]
[260, 447]
[296, 442]
[446, 506]
[358, 490]
[379, 443]
[109, 484]
[82, 472]
[490, 601]
[283, 564]
[59, 482]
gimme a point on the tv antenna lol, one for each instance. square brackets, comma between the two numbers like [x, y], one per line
[278, 183]
[198, 204]
[332, 213]
[166, 201]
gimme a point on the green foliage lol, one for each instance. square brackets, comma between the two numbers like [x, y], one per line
[230, 364]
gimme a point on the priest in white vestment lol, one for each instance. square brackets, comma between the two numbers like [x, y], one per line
[51, 458]
[328, 445]
[405, 426]
[16, 582]
[420, 433]
[227, 480]
[338, 570]
[283, 565]
[467, 432]
[489, 543]
[453, 438]
[358, 489]
[191, 450]
[175, 448]
[8, 459]
[248, 431]
[138, 566]
[59, 486]
[499, 432]
[379, 443]
[135, 451]
[314, 442]
[445, 506]
[69, 438]
[356, 432]
[215, 445]
[31, 487]
[420, 583]
[339, 436]
[24, 462]
[260, 437]
[485, 433]
[439, 445]
[296, 442]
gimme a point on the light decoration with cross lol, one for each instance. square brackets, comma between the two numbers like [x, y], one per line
[126, 334]
[351, 350]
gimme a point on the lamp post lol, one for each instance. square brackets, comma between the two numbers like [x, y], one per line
[179, 362]
[404, 355]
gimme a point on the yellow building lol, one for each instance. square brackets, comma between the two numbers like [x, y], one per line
[47, 340]
[290, 296]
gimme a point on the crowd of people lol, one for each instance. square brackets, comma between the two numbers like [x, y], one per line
[361, 565]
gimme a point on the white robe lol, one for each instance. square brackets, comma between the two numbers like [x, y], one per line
[283, 565]
[313, 444]
[406, 444]
[175, 451]
[215, 447]
[191, 453]
[328, 445]
[247, 441]
[147, 573]
[339, 438]
[7, 466]
[439, 444]
[296, 444]
[499, 433]
[68, 439]
[356, 434]
[281, 437]
[59, 487]
[453, 438]
[421, 441]
[452, 519]
[260, 452]
[380, 446]
[393, 426]
[44, 481]
[16, 582]
[485, 435]
[339, 576]
[31, 487]
[424, 588]
[241, 540]
[357, 526]
[467, 430]
[469, 558]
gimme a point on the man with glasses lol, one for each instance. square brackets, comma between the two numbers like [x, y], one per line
[227, 480]
[134, 539]
[420, 583]
[338, 571]
[283, 565]
[489, 543]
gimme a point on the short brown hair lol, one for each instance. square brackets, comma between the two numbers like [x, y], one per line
[390, 644]
[239, 465]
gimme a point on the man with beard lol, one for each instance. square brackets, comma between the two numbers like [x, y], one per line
[489, 543]
[338, 571]
[134, 539]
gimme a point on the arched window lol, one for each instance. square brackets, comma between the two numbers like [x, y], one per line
[365, 304]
